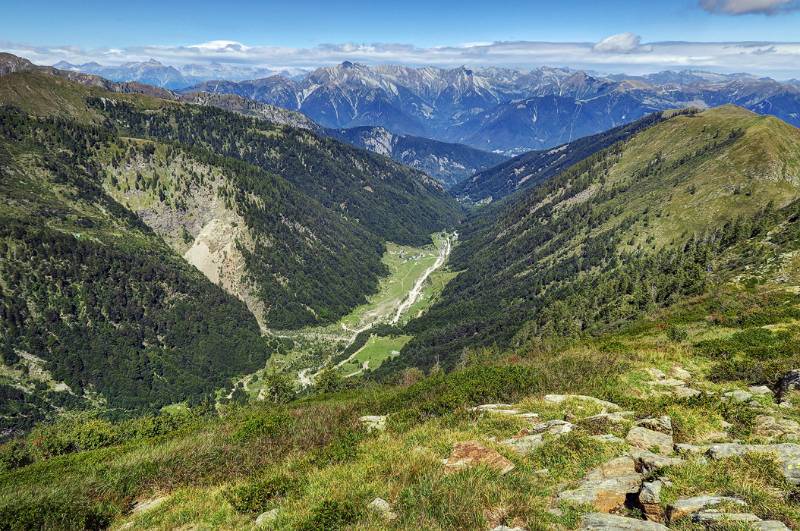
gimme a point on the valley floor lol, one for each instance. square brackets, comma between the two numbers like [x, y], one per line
[417, 275]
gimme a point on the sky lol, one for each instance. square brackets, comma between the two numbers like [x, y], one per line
[633, 36]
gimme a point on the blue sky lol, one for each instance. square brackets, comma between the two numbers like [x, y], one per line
[166, 29]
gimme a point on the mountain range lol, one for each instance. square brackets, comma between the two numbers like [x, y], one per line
[218, 313]
[504, 110]
[155, 73]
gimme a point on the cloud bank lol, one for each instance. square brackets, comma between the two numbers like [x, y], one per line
[617, 53]
[749, 7]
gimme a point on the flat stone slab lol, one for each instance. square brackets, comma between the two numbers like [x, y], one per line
[604, 495]
[525, 444]
[687, 506]
[373, 422]
[611, 522]
[647, 439]
[711, 517]
[472, 453]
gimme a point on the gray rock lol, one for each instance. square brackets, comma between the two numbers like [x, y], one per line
[267, 518]
[685, 392]
[506, 528]
[662, 424]
[646, 439]
[769, 525]
[553, 427]
[681, 373]
[760, 390]
[374, 422]
[690, 449]
[769, 426]
[651, 492]
[650, 500]
[381, 506]
[738, 396]
[525, 444]
[712, 517]
[686, 506]
[647, 461]
[611, 522]
[146, 505]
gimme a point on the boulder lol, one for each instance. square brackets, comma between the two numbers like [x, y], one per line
[617, 467]
[524, 444]
[373, 422]
[714, 517]
[648, 439]
[650, 500]
[382, 507]
[687, 506]
[648, 462]
[607, 438]
[267, 518]
[788, 382]
[604, 495]
[680, 373]
[760, 390]
[145, 505]
[685, 392]
[769, 426]
[662, 424]
[611, 522]
[471, 453]
[607, 486]
[553, 427]
[738, 396]
[769, 525]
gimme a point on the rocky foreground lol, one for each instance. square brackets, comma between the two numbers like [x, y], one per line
[625, 492]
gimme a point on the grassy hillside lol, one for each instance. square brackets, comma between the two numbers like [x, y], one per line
[311, 464]
[633, 227]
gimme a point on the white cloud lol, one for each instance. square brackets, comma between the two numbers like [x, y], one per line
[749, 7]
[618, 53]
[621, 43]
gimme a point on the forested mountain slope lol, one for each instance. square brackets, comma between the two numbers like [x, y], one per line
[92, 295]
[110, 198]
[635, 226]
[533, 168]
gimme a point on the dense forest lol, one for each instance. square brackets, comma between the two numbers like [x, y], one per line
[394, 202]
[90, 290]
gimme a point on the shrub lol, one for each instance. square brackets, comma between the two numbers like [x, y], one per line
[264, 424]
[255, 496]
[330, 515]
[676, 334]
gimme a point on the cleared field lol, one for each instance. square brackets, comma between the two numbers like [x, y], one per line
[376, 351]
